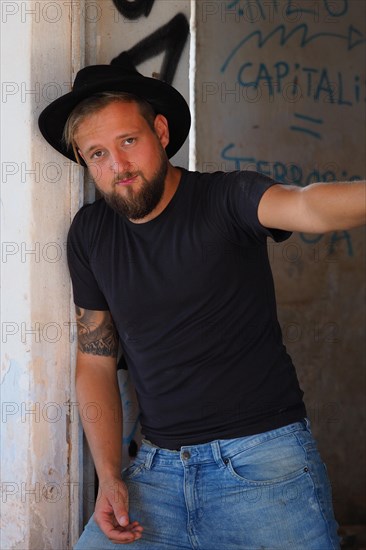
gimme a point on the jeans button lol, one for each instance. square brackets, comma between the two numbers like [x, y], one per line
[186, 455]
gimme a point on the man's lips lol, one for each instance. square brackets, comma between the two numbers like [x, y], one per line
[126, 181]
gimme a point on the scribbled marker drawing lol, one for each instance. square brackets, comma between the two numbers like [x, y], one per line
[292, 7]
[169, 38]
[353, 38]
[307, 118]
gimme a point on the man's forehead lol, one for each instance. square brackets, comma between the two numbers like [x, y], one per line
[121, 115]
[116, 106]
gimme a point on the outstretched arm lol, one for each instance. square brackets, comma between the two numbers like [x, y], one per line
[317, 208]
[96, 383]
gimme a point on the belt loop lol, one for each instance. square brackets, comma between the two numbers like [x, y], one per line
[216, 451]
[150, 457]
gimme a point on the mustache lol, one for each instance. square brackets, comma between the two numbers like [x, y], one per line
[124, 176]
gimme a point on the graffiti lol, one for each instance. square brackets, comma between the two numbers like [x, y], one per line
[290, 8]
[335, 237]
[353, 38]
[135, 9]
[307, 118]
[169, 38]
[295, 82]
[252, 11]
[289, 173]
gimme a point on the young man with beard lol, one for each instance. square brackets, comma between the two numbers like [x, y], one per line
[173, 266]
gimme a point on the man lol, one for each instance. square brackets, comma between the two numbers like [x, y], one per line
[173, 266]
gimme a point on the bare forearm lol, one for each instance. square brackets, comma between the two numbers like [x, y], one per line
[97, 385]
[97, 391]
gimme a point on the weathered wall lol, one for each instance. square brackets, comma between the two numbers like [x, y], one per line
[39, 194]
[281, 89]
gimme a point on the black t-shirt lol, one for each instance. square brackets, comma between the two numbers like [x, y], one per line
[192, 297]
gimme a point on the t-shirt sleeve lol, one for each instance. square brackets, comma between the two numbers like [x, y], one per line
[87, 293]
[242, 194]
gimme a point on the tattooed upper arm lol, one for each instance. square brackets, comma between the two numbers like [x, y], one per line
[97, 334]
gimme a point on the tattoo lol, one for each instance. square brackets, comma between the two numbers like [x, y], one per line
[97, 334]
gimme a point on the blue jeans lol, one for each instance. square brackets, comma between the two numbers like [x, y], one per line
[268, 491]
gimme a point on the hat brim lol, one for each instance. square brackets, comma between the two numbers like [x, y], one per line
[165, 100]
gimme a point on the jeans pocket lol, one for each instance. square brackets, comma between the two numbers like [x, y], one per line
[273, 461]
[132, 471]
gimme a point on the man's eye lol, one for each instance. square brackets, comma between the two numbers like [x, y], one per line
[97, 155]
[130, 141]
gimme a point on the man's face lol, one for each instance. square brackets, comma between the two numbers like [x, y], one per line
[125, 157]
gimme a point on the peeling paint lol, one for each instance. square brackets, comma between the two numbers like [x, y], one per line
[5, 368]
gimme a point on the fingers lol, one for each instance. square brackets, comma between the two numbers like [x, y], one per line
[121, 535]
[111, 514]
[119, 501]
[113, 531]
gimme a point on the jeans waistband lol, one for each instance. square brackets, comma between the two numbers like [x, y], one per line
[214, 451]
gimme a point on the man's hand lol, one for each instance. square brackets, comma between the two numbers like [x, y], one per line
[111, 513]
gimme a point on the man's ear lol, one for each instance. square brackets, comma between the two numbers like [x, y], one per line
[162, 129]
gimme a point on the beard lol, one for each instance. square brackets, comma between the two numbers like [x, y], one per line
[135, 205]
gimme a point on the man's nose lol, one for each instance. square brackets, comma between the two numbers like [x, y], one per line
[120, 162]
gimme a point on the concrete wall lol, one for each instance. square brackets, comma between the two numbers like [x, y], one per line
[280, 88]
[40, 50]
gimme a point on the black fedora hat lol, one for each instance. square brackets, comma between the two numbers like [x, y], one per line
[119, 76]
